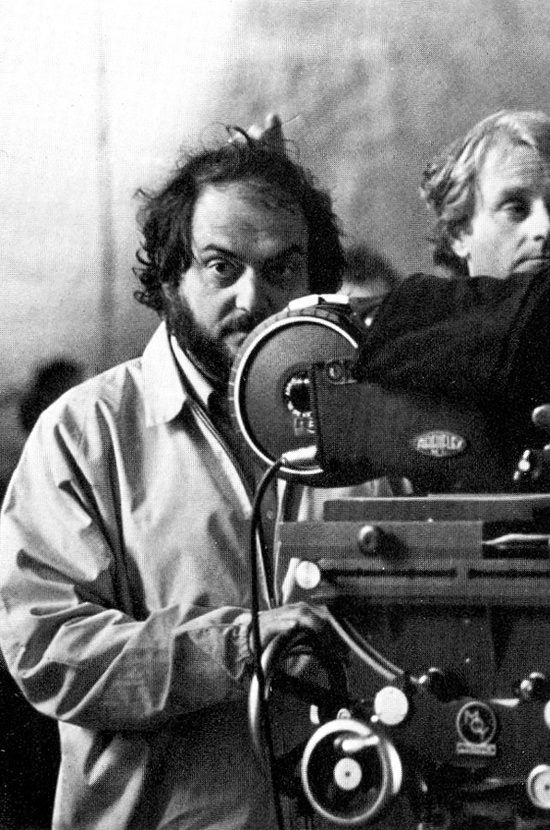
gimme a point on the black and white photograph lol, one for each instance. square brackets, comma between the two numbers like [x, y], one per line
[275, 415]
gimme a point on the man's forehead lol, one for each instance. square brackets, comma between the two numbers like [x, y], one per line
[243, 210]
[513, 164]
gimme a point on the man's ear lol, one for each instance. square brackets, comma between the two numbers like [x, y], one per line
[461, 243]
[168, 290]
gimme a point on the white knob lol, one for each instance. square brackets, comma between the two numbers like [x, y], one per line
[308, 575]
[391, 705]
[347, 774]
[538, 786]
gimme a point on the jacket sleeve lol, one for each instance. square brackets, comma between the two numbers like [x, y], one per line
[74, 653]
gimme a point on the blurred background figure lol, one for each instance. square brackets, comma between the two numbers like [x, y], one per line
[47, 384]
[29, 742]
[367, 273]
[20, 407]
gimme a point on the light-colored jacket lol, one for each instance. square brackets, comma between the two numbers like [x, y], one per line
[123, 605]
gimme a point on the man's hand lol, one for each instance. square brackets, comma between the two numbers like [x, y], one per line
[298, 616]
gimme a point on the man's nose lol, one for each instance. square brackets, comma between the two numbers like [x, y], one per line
[248, 289]
[540, 220]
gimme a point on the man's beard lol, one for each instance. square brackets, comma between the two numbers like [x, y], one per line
[209, 354]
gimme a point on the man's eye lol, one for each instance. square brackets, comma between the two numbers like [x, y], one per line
[222, 269]
[516, 208]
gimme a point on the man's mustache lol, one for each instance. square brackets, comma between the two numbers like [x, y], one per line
[239, 322]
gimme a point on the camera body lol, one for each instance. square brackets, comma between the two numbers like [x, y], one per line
[440, 597]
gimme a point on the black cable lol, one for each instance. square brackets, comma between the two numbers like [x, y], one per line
[265, 725]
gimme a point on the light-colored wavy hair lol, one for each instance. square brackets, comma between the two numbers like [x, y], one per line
[450, 179]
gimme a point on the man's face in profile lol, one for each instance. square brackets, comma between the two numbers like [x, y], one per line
[250, 259]
[509, 230]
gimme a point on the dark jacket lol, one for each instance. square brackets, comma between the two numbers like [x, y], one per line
[478, 340]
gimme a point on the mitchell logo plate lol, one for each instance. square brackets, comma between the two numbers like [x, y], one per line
[438, 443]
[476, 724]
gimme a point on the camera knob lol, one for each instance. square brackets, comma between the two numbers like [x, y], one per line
[540, 417]
[350, 773]
[391, 706]
[534, 687]
[370, 539]
[307, 575]
[538, 786]
[436, 682]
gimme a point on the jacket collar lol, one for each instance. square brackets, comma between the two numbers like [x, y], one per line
[201, 387]
[164, 392]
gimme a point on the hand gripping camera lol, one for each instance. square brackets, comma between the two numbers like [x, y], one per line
[434, 690]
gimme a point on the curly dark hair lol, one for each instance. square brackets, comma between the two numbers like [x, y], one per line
[450, 179]
[166, 215]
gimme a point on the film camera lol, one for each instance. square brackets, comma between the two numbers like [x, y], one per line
[438, 689]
